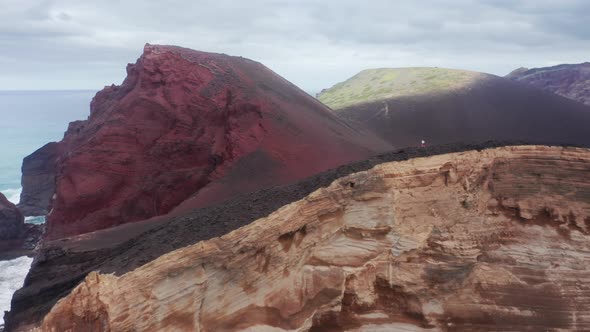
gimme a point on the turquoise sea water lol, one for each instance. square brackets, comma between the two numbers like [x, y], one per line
[29, 120]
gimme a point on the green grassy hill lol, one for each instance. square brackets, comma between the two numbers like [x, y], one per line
[383, 83]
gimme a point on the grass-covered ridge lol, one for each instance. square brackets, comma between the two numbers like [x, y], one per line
[383, 83]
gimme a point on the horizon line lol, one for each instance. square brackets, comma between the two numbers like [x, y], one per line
[46, 90]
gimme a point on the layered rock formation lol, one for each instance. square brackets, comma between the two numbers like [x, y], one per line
[441, 106]
[61, 264]
[38, 180]
[16, 237]
[186, 123]
[481, 240]
[570, 81]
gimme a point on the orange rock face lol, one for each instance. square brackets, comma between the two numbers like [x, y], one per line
[488, 240]
[186, 123]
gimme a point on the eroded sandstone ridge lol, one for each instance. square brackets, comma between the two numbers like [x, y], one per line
[186, 123]
[482, 240]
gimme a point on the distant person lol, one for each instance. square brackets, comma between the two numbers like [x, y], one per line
[423, 143]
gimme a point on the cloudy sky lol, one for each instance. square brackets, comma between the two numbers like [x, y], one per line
[73, 44]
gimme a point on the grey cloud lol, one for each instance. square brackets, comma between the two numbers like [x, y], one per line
[83, 44]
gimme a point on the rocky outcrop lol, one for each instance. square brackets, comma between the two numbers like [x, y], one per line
[16, 237]
[441, 108]
[11, 220]
[570, 81]
[188, 124]
[62, 264]
[481, 240]
[38, 180]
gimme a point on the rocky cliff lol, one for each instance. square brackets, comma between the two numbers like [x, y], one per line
[16, 237]
[570, 81]
[187, 124]
[11, 220]
[495, 239]
[38, 180]
[406, 106]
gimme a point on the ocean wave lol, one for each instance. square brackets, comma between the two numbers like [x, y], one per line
[38, 220]
[12, 277]
[12, 195]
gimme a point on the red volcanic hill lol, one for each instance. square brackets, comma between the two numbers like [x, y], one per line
[184, 120]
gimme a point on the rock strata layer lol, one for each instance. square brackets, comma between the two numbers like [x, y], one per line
[481, 240]
[61, 264]
[186, 124]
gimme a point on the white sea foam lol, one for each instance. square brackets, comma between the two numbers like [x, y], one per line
[38, 220]
[12, 195]
[12, 277]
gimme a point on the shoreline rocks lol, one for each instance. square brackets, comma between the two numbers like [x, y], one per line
[16, 237]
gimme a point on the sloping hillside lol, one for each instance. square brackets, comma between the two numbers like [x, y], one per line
[570, 81]
[468, 108]
[385, 83]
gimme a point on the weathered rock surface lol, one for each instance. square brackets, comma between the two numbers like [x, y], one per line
[185, 123]
[11, 220]
[61, 264]
[38, 180]
[481, 240]
[16, 237]
[441, 108]
[570, 81]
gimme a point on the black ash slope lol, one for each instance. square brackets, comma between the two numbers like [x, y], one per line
[493, 108]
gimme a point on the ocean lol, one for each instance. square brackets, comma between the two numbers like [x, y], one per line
[29, 120]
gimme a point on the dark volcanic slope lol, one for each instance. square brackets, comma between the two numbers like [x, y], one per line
[183, 121]
[61, 265]
[570, 81]
[487, 108]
